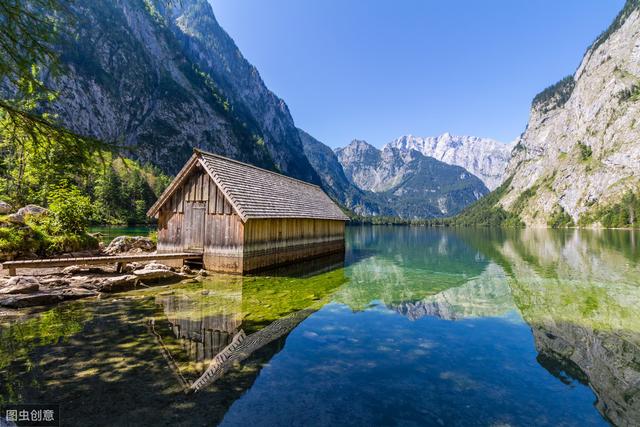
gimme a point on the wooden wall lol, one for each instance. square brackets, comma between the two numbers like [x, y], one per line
[272, 242]
[199, 218]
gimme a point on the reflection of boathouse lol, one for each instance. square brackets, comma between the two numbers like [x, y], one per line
[206, 329]
[243, 218]
[202, 336]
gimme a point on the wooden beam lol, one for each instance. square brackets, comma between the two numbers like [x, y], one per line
[63, 262]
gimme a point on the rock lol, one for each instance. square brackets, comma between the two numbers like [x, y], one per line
[15, 219]
[157, 266]
[203, 273]
[155, 274]
[20, 285]
[185, 269]
[123, 244]
[77, 293]
[76, 269]
[72, 269]
[29, 210]
[20, 301]
[5, 207]
[117, 284]
[54, 282]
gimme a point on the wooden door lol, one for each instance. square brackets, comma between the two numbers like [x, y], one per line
[194, 227]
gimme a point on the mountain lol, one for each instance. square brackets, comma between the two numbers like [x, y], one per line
[485, 158]
[578, 160]
[413, 185]
[335, 182]
[161, 80]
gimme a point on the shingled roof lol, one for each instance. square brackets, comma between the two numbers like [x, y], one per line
[259, 193]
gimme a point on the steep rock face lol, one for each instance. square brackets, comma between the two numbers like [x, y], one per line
[161, 81]
[581, 149]
[334, 180]
[485, 158]
[211, 48]
[414, 185]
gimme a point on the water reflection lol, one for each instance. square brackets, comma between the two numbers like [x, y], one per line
[519, 327]
[581, 296]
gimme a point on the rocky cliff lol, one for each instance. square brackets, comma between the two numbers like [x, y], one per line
[580, 152]
[161, 80]
[335, 182]
[414, 185]
[485, 158]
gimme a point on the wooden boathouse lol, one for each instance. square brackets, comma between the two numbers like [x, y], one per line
[243, 218]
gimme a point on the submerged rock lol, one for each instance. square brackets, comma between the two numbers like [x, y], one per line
[117, 284]
[20, 285]
[130, 244]
[21, 301]
[77, 293]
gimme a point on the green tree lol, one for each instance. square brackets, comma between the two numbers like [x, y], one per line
[71, 210]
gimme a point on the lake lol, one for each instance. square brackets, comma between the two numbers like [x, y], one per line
[418, 326]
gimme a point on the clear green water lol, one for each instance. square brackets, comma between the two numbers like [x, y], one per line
[417, 327]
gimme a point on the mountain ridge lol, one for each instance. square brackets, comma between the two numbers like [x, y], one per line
[577, 161]
[415, 186]
[142, 75]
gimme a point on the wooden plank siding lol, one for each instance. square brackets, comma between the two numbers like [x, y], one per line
[198, 218]
[278, 241]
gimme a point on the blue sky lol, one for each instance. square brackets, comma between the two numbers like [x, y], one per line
[376, 70]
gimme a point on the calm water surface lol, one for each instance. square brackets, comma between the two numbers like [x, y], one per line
[417, 327]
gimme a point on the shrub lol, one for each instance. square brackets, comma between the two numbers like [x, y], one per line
[585, 151]
[560, 219]
[71, 211]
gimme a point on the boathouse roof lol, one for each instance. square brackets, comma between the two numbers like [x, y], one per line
[257, 193]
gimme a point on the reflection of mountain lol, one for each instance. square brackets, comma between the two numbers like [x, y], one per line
[607, 360]
[488, 295]
[400, 264]
[581, 296]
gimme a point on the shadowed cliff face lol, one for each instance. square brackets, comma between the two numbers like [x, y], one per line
[164, 80]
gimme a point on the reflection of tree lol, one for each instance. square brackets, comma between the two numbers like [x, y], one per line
[581, 296]
[19, 338]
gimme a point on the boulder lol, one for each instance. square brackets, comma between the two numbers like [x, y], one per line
[77, 293]
[123, 244]
[5, 208]
[16, 219]
[72, 269]
[29, 210]
[34, 210]
[54, 282]
[76, 269]
[155, 274]
[20, 285]
[117, 284]
[156, 266]
[20, 301]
